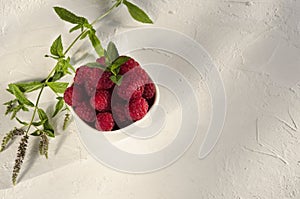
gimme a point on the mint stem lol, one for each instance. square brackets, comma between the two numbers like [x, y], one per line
[95, 21]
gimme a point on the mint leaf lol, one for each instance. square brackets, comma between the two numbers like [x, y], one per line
[42, 114]
[115, 66]
[39, 123]
[137, 13]
[19, 95]
[58, 87]
[84, 35]
[62, 68]
[48, 129]
[95, 65]
[59, 105]
[116, 79]
[36, 133]
[120, 60]
[49, 133]
[112, 51]
[22, 122]
[96, 43]
[75, 28]
[70, 17]
[28, 87]
[57, 47]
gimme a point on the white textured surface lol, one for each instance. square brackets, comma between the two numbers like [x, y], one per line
[256, 45]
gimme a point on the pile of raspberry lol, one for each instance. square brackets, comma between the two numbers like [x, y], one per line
[106, 106]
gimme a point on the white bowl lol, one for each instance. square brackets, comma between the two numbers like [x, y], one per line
[122, 133]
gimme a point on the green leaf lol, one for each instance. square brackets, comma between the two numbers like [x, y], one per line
[47, 126]
[39, 123]
[117, 79]
[57, 47]
[62, 68]
[95, 65]
[49, 133]
[58, 87]
[75, 28]
[59, 105]
[84, 35]
[20, 95]
[22, 122]
[15, 110]
[42, 114]
[28, 87]
[36, 133]
[137, 13]
[68, 16]
[112, 51]
[120, 61]
[96, 43]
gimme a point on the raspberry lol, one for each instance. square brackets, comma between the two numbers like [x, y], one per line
[149, 91]
[104, 81]
[101, 61]
[90, 84]
[138, 108]
[120, 114]
[82, 74]
[74, 95]
[130, 64]
[137, 93]
[68, 95]
[85, 112]
[101, 100]
[132, 84]
[104, 122]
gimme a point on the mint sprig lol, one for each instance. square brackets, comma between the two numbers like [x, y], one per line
[40, 125]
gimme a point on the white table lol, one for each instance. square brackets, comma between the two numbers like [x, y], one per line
[256, 46]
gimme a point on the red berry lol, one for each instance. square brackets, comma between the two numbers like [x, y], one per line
[101, 61]
[132, 84]
[85, 112]
[104, 81]
[149, 91]
[74, 95]
[138, 108]
[101, 100]
[104, 122]
[90, 84]
[82, 74]
[120, 114]
[130, 64]
[68, 95]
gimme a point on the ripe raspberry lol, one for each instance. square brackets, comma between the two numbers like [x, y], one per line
[104, 81]
[85, 112]
[120, 114]
[104, 122]
[68, 95]
[138, 108]
[130, 64]
[101, 61]
[82, 74]
[149, 91]
[101, 100]
[74, 95]
[132, 84]
[90, 84]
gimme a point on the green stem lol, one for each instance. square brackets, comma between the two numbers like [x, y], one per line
[105, 14]
[75, 40]
[38, 100]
